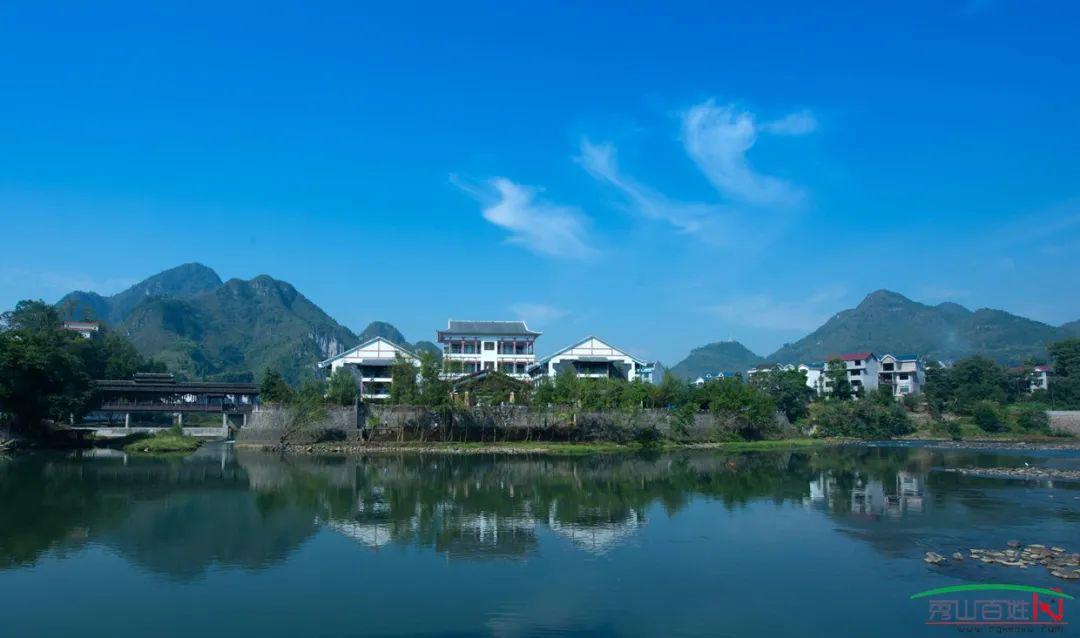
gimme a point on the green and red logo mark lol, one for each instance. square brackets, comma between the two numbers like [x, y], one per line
[996, 605]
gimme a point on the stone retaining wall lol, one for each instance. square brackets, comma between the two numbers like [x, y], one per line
[505, 423]
[1065, 421]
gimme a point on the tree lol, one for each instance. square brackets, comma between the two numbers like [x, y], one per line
[307, 408]
[273, 387]
[839, 384]
[969, 381]
[434, 390]
[987, 415]
[1066, 357]
[43, 368]
[342, 388]
[403, 387]
[788, 390]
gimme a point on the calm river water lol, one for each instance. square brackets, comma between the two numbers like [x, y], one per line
[233, 542]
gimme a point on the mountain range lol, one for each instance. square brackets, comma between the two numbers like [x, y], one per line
[887, 321]
[205, 328]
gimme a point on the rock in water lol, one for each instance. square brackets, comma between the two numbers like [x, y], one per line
[958, 556]
[934, 558]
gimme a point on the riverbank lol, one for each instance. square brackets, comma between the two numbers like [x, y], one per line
[568, 448]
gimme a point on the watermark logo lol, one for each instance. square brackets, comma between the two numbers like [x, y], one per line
[996, 608]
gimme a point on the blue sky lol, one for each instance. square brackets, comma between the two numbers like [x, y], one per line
[661, 175]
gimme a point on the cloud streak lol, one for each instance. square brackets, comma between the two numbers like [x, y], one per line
[601, 161]
[717, 139]
[548, 229]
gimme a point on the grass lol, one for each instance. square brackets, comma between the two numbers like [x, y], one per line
[163, 443]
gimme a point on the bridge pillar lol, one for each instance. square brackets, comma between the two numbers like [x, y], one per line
[127, 419]
[180, 419]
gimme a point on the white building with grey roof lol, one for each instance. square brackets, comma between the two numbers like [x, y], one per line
[591, 358]
[370, 364]
[471, 346]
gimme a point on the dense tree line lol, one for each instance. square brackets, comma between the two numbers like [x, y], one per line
[46, 371]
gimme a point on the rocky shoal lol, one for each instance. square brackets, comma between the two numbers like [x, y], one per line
[1040, 473]
[1058, 561]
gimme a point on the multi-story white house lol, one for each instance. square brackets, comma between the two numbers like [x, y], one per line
[862, 370]
[471, 346]
[902, 373]
[370, 364]
[594, 359]
[1040, 378]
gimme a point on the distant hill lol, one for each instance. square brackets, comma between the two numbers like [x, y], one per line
[384, 330]
[180, 282]
[237, 331]
[716, 357]
[886, 321]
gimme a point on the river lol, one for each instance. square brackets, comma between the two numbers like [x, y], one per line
[227, 542]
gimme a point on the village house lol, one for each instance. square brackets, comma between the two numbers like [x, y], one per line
[862, 370]
[1040, 378]
[590, 358]
[902, 374]
[87, 329]
[370, 364]
[471, 346]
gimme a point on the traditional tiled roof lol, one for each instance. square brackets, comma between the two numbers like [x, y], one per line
[485, 328]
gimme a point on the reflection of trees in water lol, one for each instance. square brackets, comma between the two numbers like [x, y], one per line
[176, 516]
[181, 516]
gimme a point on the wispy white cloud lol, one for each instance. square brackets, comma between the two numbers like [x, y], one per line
[797, 123]
[537, 313]
[601, 161]
[543, 227]
[766, 311]
[717, 139]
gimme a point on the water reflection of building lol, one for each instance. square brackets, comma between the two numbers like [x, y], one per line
[370, 526]
[870, 497]
[596, 534]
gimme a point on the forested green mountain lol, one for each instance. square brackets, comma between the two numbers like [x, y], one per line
[721, 356]
[886, 321]
[203, 328]
[180, 282]
[237, 331]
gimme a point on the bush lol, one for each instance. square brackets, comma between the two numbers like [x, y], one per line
[1033, 420]
[860, 419]
[987, 415]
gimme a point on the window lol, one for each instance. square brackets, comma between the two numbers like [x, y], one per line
[903, 377]
[489, 345]
[855, 373]
[905, 389]
[887, 366]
